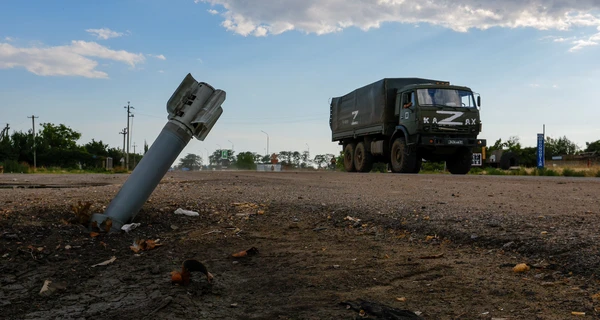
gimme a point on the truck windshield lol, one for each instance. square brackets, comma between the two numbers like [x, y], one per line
[446, 98]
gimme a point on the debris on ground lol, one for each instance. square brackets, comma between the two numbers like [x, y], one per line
[82, 212]
[521, 267]
[143, 245]
[250, 252]
[188, 213]
[349, 218]
[435, 256]
[50, 287]
[380, 311]
[183, 277]
[130, 226]
[109, 261]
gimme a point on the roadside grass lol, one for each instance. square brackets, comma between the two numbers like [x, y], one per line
[15, 167]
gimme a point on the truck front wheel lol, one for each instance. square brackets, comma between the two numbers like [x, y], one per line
[402, 160]
[460, 162]
[349, 157]
[363, 160]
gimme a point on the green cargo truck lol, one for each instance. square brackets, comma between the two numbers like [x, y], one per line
[401, 121]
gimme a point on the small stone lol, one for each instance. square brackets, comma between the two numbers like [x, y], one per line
[155, 270]
[234, 305]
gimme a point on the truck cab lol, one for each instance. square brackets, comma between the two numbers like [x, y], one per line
[440, 123]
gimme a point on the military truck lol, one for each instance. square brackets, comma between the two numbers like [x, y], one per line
[402, 121]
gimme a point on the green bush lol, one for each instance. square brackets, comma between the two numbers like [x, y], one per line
[476, 170]
[432, 166]
[598, 174]
[12, 166]
[494, 172]
[379, 167]
[520, 172]
[567, 172]
[545, 172]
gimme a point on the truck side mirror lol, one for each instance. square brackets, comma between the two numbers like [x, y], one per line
[479, 101]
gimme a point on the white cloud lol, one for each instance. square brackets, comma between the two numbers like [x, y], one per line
[200, 59]
[160, 57]
[104, 33]
[592, 40]
[74, 59]
[262, 17]
[161, 71]
[9, 39]
[534, 85]
[213, 11]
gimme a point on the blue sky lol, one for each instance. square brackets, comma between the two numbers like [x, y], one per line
[79, 62]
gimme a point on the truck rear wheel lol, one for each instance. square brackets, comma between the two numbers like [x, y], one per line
[402, 160]
[460, 162]
[349, 157]
[363, 160]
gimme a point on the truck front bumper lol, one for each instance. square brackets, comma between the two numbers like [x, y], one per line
[452, 142]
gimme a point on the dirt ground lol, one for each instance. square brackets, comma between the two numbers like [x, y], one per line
[436, 246]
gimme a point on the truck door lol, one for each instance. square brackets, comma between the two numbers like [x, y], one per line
[408, 111]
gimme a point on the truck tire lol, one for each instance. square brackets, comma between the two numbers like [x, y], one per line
[460, 162]
[349, 157]
[363, 159]
[402, 160]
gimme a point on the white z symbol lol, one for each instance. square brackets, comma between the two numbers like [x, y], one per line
[355, 113]
[448, 121]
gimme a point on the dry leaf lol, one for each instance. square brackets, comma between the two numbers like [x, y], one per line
[402, 299]
[575, 313]
[249, 252]
[261, 212]
[522, 267]
[429, 238]
[596, 296]
[94, 234]
[109, 261]
[45, 286]
[82, 212]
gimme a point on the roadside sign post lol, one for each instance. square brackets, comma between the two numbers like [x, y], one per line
[540, 150]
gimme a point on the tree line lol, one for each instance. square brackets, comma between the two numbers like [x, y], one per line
[560, 146]
[56, 146]
[247, 160]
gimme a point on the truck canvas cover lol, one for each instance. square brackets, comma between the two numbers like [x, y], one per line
[368, 106]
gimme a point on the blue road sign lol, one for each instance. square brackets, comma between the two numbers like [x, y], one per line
[540, 150]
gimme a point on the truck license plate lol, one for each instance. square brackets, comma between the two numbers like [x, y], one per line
[455, 141]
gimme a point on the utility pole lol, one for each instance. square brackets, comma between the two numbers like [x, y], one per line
[128, 107]
[134, 154]
[267, 142]
[124, 133]
[33, 134]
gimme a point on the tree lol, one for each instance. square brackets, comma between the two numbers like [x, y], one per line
[320, 160]
[217, 157]
[145, 146]
[97, 148]
[191, 161]
[560, 146]
[245, 161]
[593, 146]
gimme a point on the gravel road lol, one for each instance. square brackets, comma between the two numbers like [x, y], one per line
[435, 246]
